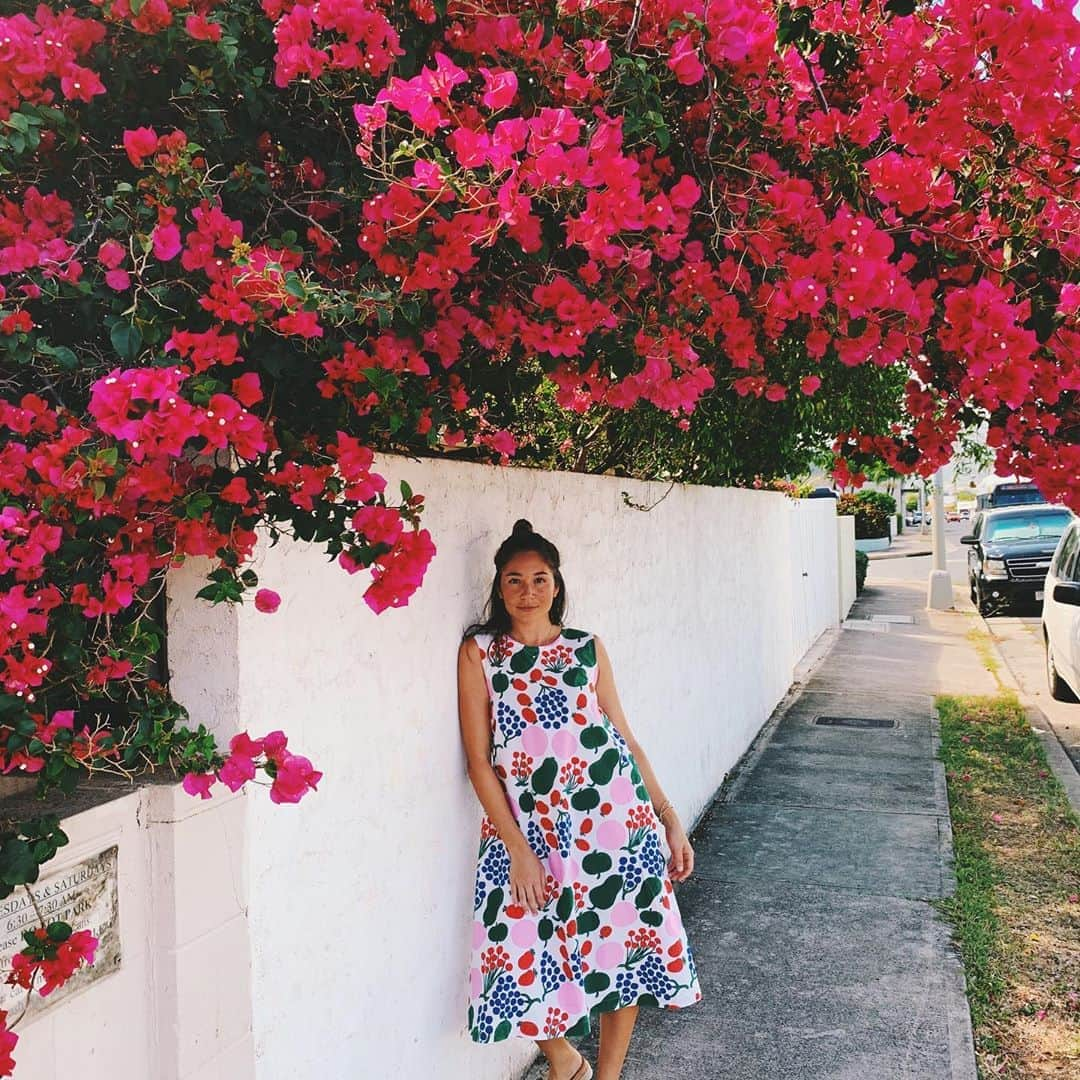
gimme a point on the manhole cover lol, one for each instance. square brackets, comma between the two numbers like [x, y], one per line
[854, 721]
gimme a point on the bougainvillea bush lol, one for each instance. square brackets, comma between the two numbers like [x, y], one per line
[242, 245]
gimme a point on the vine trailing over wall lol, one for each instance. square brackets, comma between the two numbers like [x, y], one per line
[244, 244]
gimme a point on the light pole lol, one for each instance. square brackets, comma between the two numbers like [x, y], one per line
[939, 593]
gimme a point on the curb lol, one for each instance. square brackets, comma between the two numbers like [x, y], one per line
[1060, 763]
[899, 555]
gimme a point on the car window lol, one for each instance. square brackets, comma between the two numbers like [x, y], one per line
[1064, 558]
[1028, 526]
[1070, 567]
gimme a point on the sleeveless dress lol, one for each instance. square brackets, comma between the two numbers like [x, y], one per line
[610, 933]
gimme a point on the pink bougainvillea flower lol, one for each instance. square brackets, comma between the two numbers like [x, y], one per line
[809, 384]
[202, 29]
[118, 280]
[243, 745]
[79, 949]
[236, 771]
[1069, 303]
[167, 243]
[111, 254]
[500, 88]
[199, 784]
[8, 1041]
[140, 143]
[597, 55]
[684, 61]
[267, 601]
[294, 779]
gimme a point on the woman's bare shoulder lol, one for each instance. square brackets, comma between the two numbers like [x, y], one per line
[470, 650]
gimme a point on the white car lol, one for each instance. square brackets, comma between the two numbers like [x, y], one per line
[1061, 617]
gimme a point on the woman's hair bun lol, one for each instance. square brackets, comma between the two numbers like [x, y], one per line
[522, 527]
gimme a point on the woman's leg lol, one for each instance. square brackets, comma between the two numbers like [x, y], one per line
[563, 1059]
[615, 1031]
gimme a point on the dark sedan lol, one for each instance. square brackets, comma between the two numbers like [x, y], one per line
[1009, 554]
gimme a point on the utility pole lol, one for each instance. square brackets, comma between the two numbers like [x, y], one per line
[939, 593]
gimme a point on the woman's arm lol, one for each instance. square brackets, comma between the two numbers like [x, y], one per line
[682, 854]
[527, 878]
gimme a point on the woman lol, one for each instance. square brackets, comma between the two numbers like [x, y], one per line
[574, 909]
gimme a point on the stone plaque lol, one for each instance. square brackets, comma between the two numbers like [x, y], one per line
[84, 896]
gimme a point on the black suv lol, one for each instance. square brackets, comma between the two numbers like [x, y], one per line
[1010, 552]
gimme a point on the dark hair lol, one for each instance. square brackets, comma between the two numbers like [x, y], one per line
[496, 618]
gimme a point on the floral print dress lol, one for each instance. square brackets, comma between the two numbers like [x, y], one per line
[610, 934]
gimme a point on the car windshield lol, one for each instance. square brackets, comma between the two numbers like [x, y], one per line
[1015, 496]
[1028, 526]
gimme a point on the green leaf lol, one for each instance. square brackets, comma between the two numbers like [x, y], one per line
[593, 737]
[603, 896]
[574, 676]
[609, 1004]
[564, 908]
[500, 682]
[527, 802]
[587, 653]
[524, 659]
[601, 772]
[544, 776]
[595, 981]
[493, 906]
[652, 918]
[17, 863]
[596, 863]
[498, 932]
[588, 798]
[901, 7]
[126, 339]
[502, 1031]
[58, 931]
[587, 922]
[578, 1030]
[545, 928]
[649, 891]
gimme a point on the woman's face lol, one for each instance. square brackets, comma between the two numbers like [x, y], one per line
[527, 586]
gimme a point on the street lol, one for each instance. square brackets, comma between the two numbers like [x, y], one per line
[1017, 633]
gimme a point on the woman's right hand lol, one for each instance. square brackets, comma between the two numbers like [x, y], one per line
[528, 880]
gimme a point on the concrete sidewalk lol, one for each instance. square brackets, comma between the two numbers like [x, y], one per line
[819, 953]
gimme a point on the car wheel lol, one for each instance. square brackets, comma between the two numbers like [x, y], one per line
[982, 602]
[971, 589]
[1059, 688]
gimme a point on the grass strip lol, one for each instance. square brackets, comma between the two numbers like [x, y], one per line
[1016, 911]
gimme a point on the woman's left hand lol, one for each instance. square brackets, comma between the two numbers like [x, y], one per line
[681, 863]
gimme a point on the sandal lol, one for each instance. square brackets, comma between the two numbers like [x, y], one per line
[584, 1071]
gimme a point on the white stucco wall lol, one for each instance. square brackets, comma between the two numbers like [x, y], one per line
[845, 551]
[361, 896]
[178, 1007]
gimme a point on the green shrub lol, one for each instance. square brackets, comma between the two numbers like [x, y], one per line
[862, 561]
[871, 515]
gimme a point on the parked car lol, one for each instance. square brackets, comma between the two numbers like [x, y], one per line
[997, 493]
[952, 515]
[1009, 553]
[1061, 617]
